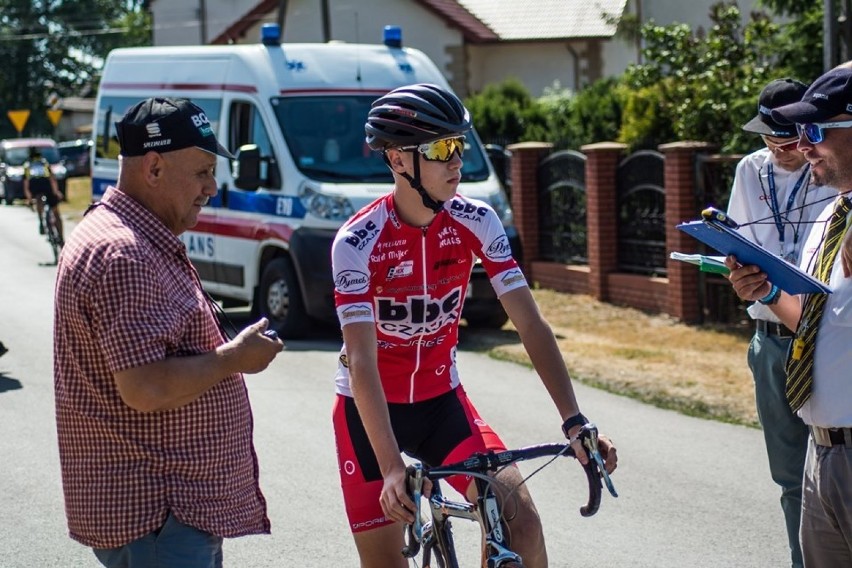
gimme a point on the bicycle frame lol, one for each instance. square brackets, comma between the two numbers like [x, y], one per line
[436, 536]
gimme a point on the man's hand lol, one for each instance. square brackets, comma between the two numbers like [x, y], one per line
[605, 447]
[254, 349]
[749, 283]
[396, 503]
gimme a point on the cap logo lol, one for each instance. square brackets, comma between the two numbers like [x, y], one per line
[153, 130]
[764, 110]
[820, 96]
[202, 123]
[849, 108]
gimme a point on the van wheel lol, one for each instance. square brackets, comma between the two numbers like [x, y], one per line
[280, 300]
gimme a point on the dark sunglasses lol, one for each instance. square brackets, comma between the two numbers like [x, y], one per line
[439, 150]
[815, 131]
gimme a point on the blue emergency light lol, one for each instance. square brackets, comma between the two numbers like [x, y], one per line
[270, 34]
[393, 36]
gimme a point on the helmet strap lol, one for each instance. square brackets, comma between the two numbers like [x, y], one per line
[427, 199]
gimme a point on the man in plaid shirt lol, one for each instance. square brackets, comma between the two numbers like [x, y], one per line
[152, 413]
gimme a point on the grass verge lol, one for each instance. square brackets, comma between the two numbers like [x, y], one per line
[698, 371]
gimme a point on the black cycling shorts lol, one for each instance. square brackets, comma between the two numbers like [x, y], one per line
[441, 430]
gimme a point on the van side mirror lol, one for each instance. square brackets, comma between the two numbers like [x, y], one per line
[247, 167]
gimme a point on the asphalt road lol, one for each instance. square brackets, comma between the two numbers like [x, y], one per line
[692, 492]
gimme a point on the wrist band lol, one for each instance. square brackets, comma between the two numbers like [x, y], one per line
[772, 297]
[576, 420]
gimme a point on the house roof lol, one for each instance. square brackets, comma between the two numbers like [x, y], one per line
[482, 21]
[546, 19]
[455, 14]
[260, 12]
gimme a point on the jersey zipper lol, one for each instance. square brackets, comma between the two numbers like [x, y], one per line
[425, 292]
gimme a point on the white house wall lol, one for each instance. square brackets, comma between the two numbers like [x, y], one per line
[536, 65]
[178, 22]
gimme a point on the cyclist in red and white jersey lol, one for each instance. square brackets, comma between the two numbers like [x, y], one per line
[401, 268]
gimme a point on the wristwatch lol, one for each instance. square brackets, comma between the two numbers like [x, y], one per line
[772, 297]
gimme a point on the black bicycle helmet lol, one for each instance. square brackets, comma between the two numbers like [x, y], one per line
[415, 114]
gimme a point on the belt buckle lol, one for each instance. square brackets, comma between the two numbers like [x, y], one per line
[821, 436]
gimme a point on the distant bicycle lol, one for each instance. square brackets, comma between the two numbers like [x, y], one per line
[51, 226]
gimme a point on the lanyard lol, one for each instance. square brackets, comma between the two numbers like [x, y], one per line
[776, 211]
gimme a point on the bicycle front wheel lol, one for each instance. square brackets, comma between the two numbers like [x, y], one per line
[53, 236]
[444, 548]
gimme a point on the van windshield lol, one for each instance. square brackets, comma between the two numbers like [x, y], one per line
[325, 135]
[17, 156]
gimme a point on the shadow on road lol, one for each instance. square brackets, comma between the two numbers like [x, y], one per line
[326, 337]
[477, 339]
[317, 336]
[9, 384]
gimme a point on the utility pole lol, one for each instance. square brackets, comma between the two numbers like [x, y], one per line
[282, 16]
[202, 20]
[326, 22]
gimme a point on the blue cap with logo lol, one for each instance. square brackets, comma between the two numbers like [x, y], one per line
[827, 97]
[165, 125]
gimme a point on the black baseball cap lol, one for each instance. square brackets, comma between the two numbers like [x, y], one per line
[828, 96]
[165, 125]
[778, 93]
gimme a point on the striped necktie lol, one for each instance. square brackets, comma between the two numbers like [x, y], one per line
[801, 360]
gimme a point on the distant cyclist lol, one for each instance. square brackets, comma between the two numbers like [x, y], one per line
[39, 180]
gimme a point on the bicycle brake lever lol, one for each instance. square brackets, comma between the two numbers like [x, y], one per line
[414, 531]
[591, 444]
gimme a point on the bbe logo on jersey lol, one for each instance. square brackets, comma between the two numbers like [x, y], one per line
[499, 249]
[351, 282]
[418, 315]
[467, 210]
[362, 237]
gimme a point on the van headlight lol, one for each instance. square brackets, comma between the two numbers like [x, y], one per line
[500, 203]
[324, 206]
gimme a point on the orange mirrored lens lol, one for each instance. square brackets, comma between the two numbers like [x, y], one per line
[442, 150]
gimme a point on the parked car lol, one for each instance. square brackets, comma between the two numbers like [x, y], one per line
[75, 156]
[14, 152]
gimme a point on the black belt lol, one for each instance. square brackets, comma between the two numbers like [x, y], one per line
[829, 437]
[774, 328]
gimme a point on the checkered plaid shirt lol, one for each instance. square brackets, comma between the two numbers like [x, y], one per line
[126, 296]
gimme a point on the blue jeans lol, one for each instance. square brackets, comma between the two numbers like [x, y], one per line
[174, 545]
[785, 434]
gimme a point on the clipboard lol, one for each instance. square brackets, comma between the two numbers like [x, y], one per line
[722, 237]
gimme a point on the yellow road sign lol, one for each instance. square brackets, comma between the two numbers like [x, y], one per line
[54, 116]
[19, 118]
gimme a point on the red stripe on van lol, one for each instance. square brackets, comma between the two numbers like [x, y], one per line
[181, 87]
[372, 92]
[242, 228]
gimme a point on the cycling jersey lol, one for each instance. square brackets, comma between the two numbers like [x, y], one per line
[38, 172]
[411, 283]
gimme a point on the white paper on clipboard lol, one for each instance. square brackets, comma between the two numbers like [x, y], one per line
[727, 241]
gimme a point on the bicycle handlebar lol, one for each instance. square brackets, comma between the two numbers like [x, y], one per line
[484, 462]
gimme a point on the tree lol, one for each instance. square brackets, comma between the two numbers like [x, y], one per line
[56, 46]
[704, 88]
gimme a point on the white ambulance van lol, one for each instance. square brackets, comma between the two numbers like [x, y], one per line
[294, 115]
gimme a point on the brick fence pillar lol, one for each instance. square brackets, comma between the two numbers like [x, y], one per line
[601, 213]
[682, 205]
[525, 159]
